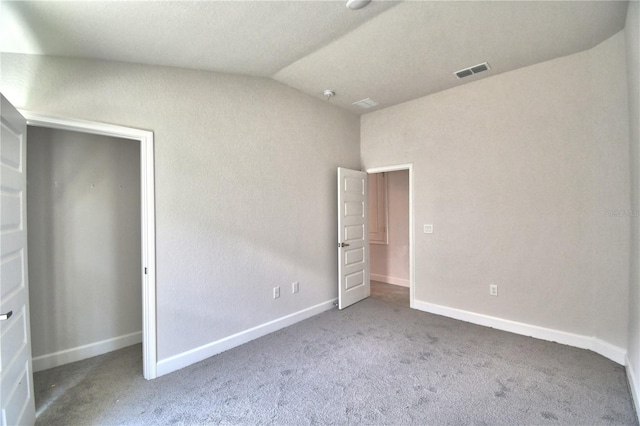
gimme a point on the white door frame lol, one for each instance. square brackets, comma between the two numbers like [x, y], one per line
[412, 249]
[147, 207]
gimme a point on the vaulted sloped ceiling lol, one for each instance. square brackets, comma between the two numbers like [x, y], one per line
[389, 51]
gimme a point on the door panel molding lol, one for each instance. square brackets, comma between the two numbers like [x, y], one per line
[353, 237]
[17, 402]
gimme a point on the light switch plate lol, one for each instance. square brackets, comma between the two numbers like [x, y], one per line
[428, 229]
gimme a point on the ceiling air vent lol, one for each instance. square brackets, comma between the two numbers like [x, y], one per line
[472, 70]
[366, 103]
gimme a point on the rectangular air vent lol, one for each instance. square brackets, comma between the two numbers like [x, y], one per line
[366, 103]
[472, 70]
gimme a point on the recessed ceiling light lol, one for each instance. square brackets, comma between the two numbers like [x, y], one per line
[366, 103]
[357, 4]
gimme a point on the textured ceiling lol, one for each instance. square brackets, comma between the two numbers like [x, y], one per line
[392, 52]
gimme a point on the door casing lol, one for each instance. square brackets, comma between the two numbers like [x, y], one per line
[412, 252]
[147, 208]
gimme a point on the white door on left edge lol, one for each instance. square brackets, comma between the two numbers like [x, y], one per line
[353, 237]
[16, 378]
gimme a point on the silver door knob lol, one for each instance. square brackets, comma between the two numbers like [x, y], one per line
[6, 316]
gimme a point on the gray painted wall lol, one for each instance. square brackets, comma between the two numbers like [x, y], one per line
[517, 173]
[83, 202]
[632, 33]
[245, 173]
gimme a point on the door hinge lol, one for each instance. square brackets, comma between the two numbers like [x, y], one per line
[145, 270]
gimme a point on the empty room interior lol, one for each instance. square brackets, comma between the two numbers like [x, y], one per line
[188, 249]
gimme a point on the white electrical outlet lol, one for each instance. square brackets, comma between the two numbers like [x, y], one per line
[276, 292]
[295, 287]
[493, 290]
[428, 229]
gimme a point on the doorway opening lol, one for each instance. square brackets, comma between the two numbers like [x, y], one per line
[146, 203]
[391, 233]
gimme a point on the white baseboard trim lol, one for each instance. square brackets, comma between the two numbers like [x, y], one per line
[389, 280]
[601, 347]
[634, 385]
[44, 362]
[192, 356]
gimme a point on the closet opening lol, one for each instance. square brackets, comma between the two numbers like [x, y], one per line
[390, 235]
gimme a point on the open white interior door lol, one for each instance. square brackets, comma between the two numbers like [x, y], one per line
[353, 237]
[16, 378]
